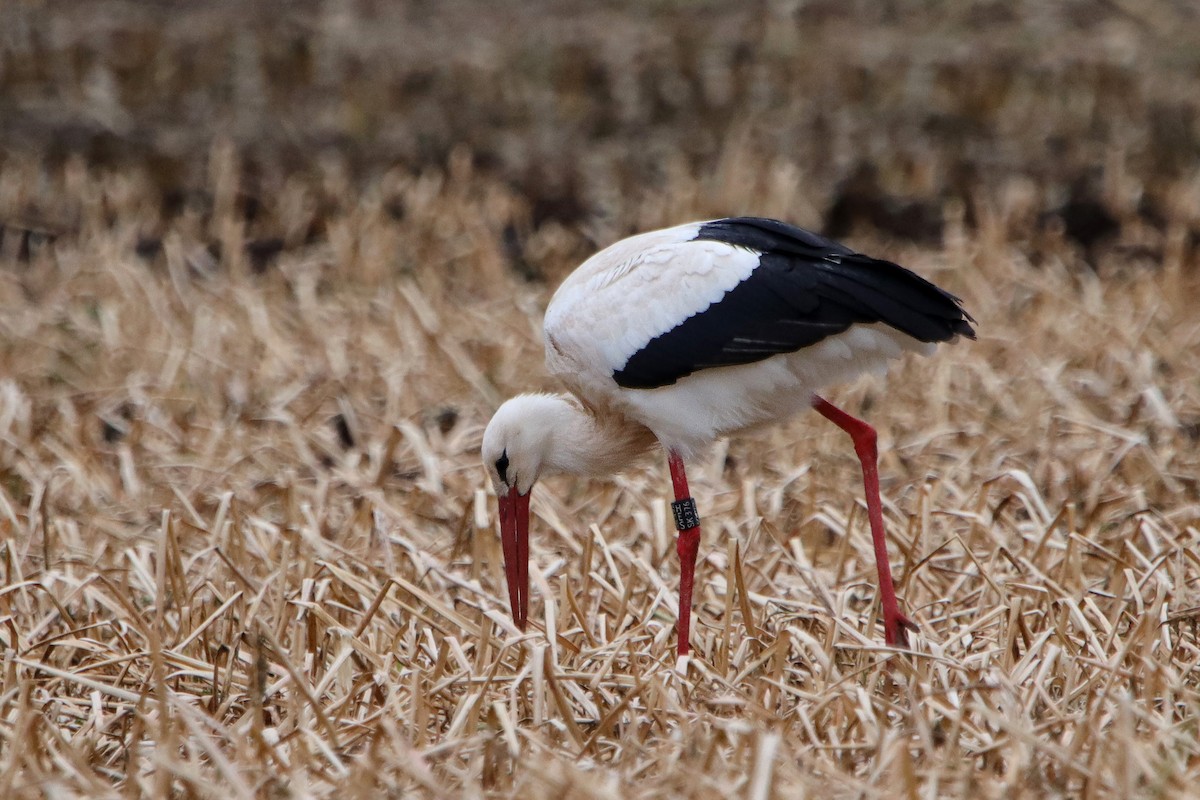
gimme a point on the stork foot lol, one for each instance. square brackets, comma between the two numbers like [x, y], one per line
[896, 628]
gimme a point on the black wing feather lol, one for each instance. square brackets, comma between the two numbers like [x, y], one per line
[804, 289]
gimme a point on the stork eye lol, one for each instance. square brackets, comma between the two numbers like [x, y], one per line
[502, 466]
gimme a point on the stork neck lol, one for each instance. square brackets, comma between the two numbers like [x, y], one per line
[587, 443]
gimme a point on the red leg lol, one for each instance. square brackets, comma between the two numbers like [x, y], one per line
[687, 545]
[895, 625]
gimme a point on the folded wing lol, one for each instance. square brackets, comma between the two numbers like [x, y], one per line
[804, 289]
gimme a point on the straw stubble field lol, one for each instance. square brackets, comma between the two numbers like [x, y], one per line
[248, 549]
[249, 545]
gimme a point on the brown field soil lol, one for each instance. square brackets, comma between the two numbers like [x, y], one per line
[265, 273]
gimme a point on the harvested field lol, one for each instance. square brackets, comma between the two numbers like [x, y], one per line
[263, 280]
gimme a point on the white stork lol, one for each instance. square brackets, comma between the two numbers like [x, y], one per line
[695, 332]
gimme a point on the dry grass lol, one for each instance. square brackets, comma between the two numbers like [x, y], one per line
[248, 549]
[248, 543]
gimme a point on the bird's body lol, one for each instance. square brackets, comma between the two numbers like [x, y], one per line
[692, 333]
[630, 296]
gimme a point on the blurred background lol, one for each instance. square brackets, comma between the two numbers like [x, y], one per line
[1073, 120]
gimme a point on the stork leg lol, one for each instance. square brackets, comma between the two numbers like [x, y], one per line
[687, 522]
[895, 625]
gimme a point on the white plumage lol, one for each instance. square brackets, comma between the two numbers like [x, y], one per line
[643, 286]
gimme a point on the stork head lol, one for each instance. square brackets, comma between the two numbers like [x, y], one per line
[517, 446]
[517, 443]
[534, 435]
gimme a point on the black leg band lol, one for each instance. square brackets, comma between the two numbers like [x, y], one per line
[686, 515]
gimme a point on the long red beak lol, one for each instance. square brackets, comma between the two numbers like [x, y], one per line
[514, 538]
